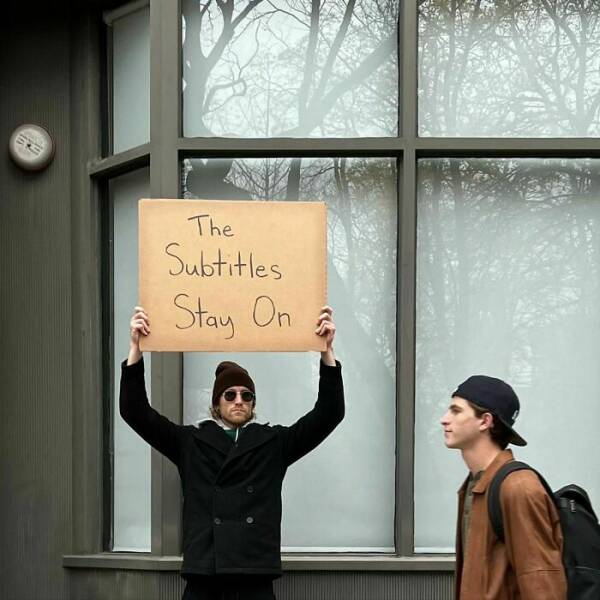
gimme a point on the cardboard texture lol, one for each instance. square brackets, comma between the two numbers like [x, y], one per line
[232, 275]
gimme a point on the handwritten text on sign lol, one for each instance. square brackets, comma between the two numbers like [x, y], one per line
[238, 276]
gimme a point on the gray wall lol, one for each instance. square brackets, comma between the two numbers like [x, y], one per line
[35, 313]
[293, 586]
[50, 447]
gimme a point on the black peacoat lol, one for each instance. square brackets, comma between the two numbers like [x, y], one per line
[232, 491]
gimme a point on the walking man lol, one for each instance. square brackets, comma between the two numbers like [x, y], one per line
[528, 564]
[231, 469]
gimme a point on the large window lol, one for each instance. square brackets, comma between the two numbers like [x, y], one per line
[518, 68]
[362, 288]
[454, 144]
[127, 109]
[508, 280]
[289, 68]
[131, 467]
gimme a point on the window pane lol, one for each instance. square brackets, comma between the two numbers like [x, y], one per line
[514, 68]
[131, 492]
[131, 80]
[508, 284]
[341, 496]
[282, 68]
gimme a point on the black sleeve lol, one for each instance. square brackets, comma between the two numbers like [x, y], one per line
[158, 431]
[311, 429]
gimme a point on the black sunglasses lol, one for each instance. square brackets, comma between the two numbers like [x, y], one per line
[246, 395]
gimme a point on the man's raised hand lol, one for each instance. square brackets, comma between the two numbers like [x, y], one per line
[326, 328]
[138, 326]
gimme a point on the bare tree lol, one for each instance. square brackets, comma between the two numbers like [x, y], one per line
[197, 75]
[512, 67]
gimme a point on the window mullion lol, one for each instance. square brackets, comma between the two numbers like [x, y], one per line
[167, 388]
[406, 278]
[405, 370]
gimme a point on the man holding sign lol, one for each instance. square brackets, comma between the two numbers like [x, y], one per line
[231, 469]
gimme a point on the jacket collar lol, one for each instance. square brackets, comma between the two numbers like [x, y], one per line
[226, 427]
[482, 485]
[210, 433]
[251, 436]
[222, 424]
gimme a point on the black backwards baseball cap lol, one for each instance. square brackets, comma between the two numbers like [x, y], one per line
[496, 396]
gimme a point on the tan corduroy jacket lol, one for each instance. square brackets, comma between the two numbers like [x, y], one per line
[528, 565]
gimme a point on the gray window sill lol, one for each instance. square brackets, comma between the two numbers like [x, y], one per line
[290, 562]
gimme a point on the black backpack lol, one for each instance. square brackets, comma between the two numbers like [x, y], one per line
[580, 528]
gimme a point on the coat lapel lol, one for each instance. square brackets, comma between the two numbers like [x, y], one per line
[208, 432]
[251, 437]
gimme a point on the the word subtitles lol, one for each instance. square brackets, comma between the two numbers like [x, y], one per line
[219, 263]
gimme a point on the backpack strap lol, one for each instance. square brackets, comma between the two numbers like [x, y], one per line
[494, 507]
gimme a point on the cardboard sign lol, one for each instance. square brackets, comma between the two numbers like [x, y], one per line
[232, 276]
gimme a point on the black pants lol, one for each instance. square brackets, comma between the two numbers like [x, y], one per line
[229, 587]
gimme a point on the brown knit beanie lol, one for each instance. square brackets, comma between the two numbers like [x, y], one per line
[227, 375]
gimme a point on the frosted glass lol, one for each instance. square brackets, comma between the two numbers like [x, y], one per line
[508, 284]
[131, 80]
[515, 68]
[341, 496]
[287, 68]
[131, 471]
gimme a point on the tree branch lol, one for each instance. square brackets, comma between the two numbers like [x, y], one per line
[320, 107]
[335, 48]
[310, 58]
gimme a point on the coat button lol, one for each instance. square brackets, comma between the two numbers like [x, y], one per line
[249, 489]
[249, 520]
[217, 521]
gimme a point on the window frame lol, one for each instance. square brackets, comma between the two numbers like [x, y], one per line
[165, 152]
